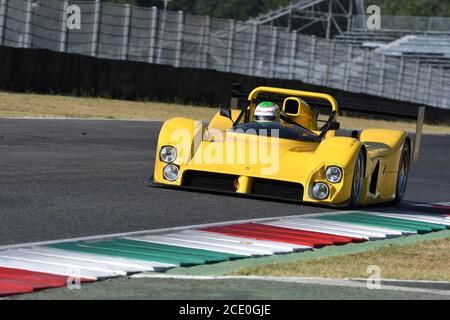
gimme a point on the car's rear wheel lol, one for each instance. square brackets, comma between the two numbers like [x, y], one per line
[403, 171]
[358, 177]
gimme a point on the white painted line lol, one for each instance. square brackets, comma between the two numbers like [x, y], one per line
[206, 245]
[261, 243]
[387, 232]
[361, 222]
[97, 261]
[342, 229]
[185, 244]
[45, 268]
[70, 263]
[250, 248]
[327, 230]
[54, 262]
[414, 217]
[119, 261]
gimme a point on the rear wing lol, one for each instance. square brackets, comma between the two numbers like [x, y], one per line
[239, 100]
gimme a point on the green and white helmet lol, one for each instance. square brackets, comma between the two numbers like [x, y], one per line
[267, 112]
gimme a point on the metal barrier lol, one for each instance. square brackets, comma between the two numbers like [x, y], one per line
[164, 37]
[406, 24]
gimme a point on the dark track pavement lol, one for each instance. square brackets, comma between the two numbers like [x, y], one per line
[72, 178]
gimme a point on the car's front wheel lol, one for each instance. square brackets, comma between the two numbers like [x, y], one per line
[358, 179]
[403, 171]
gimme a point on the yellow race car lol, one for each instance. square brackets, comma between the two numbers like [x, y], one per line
[291, 159]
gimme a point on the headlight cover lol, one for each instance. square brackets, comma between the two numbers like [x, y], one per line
[320, 191]
[333, 174]
[171, 172]
[168, 154]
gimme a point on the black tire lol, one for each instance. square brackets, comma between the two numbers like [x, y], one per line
[403, 171]
[358, 179]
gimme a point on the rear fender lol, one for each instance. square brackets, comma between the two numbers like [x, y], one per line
[384, 148]
[385, 145]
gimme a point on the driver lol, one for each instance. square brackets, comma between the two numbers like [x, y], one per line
[267, 112]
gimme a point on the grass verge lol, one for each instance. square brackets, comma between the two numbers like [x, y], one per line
[18, 105]
[51, 106]
[427, 260]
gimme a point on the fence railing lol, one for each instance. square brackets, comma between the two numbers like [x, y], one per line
[164, 37]
[406, 24]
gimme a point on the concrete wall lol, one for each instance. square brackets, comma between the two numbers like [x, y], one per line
[44, 71]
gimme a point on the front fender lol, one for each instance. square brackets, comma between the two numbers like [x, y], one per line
[335, 151]
[185, 135]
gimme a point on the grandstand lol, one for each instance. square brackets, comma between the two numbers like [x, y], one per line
[316, 17]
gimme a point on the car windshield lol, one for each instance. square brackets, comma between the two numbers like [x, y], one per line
[275, 129]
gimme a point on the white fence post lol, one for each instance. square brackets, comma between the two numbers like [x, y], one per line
[428, 86]
[416, 81]
[161, 36]
[230, 53]
[365, 71]
[293, 54]
[153, 33]
[382, 71]
[206, 41]
[126, 32]
[440, 98]
[273, 53]
[330, 63]
[3, 11]
[96, 29]
[329, 18]
[347, 65]
[312, 57]
[180, 32]
[63, 38]
[28, 22]
[254, 43]
[398, 93]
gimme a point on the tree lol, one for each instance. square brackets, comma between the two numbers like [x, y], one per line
[244, 9]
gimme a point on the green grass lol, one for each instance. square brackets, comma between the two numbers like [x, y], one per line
[427, 260]
[19, 105]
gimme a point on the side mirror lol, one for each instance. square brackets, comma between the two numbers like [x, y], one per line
[226, 113]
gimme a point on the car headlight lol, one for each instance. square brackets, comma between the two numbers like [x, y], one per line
[168, 154]
[171, 172]
[320, 191]
[333, 174]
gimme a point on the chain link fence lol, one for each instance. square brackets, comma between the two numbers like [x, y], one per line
[164, 37]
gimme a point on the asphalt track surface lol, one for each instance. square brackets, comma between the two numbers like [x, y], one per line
[72, 178]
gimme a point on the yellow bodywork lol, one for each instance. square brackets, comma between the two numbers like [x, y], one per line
[302, 163]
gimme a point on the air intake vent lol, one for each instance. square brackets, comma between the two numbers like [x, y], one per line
[209, 181]
[277, 189]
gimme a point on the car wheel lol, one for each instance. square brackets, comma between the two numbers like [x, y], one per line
[357, 183]
[403, 171]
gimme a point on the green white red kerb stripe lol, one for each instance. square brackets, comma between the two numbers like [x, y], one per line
[26, 268]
